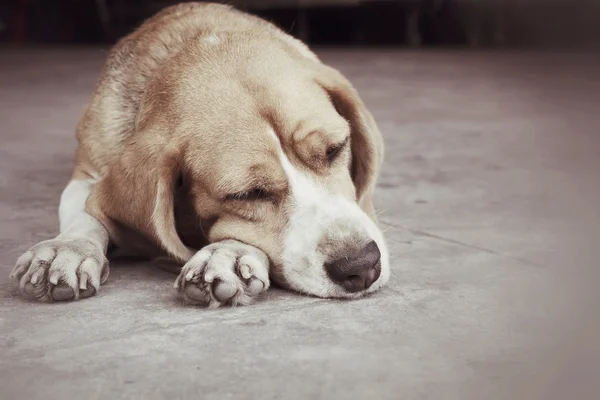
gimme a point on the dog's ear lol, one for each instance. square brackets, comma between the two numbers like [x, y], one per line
[366, 140]
[137, 193]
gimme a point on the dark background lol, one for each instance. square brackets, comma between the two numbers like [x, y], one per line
[415, 23]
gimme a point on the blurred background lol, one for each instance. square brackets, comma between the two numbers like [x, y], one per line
[488, 198]
[414, 23]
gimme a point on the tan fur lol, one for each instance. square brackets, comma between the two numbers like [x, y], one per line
[135, 137]
[180, 119]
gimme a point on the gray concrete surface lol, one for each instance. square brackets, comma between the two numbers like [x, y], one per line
[490, 204]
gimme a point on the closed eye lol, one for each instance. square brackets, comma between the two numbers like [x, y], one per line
[255, 194]
[334, 151]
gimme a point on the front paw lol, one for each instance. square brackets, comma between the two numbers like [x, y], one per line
[61, 270]
[227, 272]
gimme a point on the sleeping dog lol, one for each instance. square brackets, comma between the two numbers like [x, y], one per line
[217, 141]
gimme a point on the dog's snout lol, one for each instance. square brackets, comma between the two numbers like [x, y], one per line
[356, 270]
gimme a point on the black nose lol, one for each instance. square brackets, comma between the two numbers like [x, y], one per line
[357, 270]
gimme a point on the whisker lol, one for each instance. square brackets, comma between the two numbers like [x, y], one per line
[380, 212]
[387, 228]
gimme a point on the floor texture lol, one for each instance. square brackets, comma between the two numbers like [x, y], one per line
[489, 198]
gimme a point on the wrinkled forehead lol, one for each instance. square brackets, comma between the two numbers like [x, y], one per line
[241, 120]
[233, 159]
[284, 94]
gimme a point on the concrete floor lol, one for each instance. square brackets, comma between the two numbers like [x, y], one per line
[489, 199]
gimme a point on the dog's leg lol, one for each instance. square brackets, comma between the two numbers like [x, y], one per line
[72, 265]
[226, 272]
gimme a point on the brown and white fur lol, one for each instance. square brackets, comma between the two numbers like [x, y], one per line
[217, 141]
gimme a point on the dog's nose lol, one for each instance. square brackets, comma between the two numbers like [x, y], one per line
[358, 270]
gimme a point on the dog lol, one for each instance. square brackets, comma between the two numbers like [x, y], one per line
[218, 142]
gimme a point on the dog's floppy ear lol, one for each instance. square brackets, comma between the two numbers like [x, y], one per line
[366, 140]
[137, 193]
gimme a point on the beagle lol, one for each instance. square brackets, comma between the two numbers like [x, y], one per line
[217, 141]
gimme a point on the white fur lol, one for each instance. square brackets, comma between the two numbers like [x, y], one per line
[72, 203]
[224, 272]
[74, 221]
[74, 260]
[317, 213]
[212, 39]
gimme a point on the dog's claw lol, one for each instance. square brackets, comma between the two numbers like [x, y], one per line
[60, 270]
[227, 272]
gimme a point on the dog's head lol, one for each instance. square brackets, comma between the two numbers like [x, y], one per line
[275, 151]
